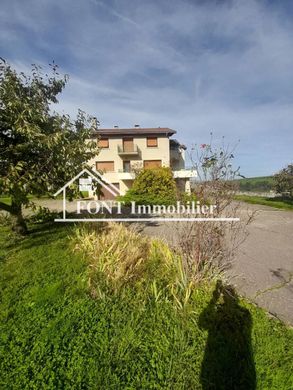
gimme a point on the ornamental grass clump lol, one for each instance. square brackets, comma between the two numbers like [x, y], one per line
[115, 252]
[120, 258]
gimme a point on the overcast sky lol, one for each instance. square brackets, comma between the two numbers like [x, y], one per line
[193, 66]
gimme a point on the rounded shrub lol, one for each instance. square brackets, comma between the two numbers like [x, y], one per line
[153, 186]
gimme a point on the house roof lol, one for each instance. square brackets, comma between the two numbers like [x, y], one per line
[135, 131]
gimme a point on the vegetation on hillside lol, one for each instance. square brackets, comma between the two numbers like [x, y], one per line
[281, 183]
[80, 320]
[256, 184]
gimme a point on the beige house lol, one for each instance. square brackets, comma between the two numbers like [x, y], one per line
[123, 152]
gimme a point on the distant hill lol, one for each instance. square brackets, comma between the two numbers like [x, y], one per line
[256, 184]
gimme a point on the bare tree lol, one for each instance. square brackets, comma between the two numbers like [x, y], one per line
[209, 247]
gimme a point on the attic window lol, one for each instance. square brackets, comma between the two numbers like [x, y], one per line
[103, 143]
[152, 142]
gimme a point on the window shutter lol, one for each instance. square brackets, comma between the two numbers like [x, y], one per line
[103, 143]
[105, 166]
[152, 141]
[152, 164]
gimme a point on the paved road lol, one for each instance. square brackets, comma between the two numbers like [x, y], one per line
[263, 267]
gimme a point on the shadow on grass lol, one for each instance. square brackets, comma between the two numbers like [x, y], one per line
[228, 360]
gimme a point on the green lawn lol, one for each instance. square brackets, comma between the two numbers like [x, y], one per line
[54, 334]
[7, 199]
[277, 202]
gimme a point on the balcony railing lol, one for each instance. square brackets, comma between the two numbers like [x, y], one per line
[126, 174]
[128, 151]
[184, 173]
[125, 170]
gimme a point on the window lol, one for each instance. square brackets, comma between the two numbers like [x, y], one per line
[152, 164]
[103, 143]
[126, 166]
[105, 166]
[152, 142]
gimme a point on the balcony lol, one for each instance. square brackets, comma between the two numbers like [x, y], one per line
[126, 174]
[184, 173]
[129, 151]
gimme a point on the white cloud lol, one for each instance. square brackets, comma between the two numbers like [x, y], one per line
[195, 67]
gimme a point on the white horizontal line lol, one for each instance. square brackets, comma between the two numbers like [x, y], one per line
[148, 220]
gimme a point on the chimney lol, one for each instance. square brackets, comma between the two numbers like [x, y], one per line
[95, 122]
[136, 125]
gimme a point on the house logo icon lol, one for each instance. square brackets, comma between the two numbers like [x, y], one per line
[86, 184]
[154, 213]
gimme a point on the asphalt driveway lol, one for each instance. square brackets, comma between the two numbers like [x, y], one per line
[263, 267]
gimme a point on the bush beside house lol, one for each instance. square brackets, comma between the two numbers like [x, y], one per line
[152, 186]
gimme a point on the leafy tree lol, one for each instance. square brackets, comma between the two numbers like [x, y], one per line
[284, 181]
[39, 149]
[153, 186]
